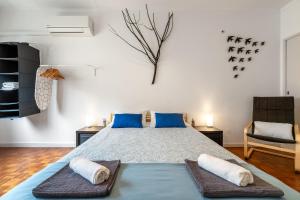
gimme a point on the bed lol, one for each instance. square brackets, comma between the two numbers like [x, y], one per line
[153, 163]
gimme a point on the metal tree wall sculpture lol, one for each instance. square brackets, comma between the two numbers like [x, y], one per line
[135, 27]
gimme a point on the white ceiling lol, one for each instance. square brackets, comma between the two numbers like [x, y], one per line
[69, 5]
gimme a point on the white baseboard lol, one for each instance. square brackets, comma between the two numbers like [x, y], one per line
[233, 145]
[37, 145]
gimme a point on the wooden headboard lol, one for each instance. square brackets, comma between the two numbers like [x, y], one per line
[148, 117]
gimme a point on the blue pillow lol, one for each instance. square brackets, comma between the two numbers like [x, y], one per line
[128, 121]
[169, 120]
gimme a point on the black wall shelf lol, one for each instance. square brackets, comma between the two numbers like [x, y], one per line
[18, 63]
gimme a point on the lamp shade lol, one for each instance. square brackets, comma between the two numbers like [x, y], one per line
[209, 120]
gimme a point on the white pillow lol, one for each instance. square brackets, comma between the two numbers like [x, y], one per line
[275, 130]
[153, 120]
[145, 124]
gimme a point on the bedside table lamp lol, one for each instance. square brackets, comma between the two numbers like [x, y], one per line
[90, 121]
[209, 120]
[87, 121]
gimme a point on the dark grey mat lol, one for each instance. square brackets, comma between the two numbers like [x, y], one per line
[213, 186]
[67, 184]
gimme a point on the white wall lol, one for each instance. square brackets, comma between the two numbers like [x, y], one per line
[290, 17]
[289, 27]
[194, 75]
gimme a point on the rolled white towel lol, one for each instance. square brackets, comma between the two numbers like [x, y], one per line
[93, 172]
[226, 170]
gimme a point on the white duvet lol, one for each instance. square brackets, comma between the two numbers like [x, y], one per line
[149, 145]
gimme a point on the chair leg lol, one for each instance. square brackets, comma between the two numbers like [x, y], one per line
[251, 149]
[297, 158]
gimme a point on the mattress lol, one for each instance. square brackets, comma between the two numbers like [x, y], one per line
[149, 145]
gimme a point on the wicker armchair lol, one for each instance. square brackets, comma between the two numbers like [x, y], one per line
[273, 109]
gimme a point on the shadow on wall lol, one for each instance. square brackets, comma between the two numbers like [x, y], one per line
[58, 96]
[97, 21]
[41, 120]
[5, 130]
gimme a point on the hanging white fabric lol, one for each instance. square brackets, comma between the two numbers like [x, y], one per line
[43, 89]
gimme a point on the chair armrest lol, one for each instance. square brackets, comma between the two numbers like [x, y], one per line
[297, 148]
[297, 133]
[247, 128]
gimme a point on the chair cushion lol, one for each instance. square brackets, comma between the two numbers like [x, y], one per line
[274, 130]
[271, 139]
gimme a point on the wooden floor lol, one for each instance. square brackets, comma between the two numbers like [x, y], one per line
[17, 164]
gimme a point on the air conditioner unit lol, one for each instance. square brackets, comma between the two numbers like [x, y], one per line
[70, 26]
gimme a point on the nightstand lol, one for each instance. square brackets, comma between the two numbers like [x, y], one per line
[212, 133]
[85, 133]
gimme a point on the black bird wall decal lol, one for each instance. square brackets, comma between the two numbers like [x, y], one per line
[248, 41]
[232, 59]
[238, 40]
[230, 38]
[231, 49]
[240, 50]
